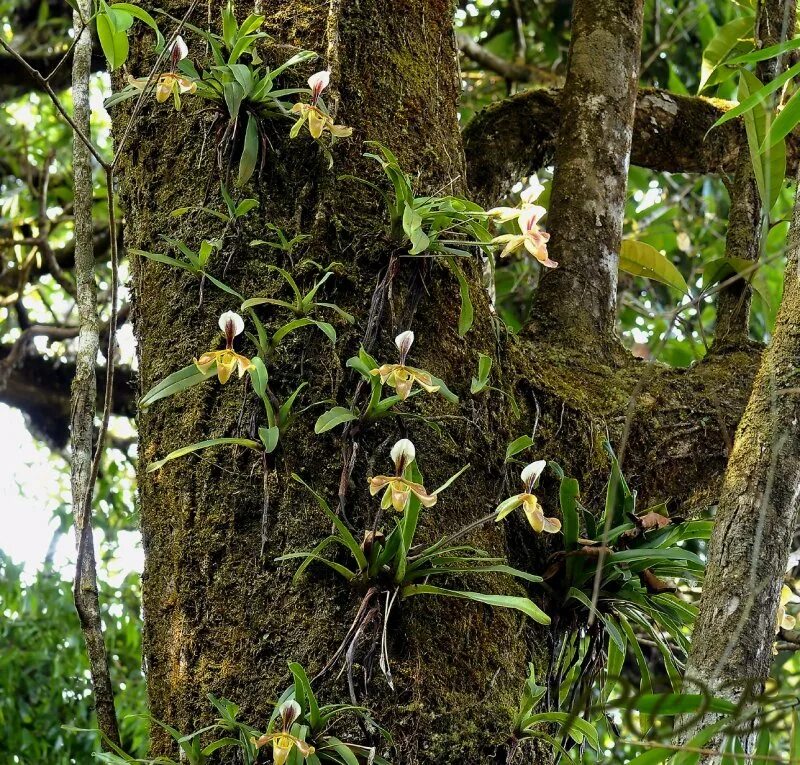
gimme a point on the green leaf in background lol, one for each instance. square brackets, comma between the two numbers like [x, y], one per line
[784, 123]
[728, 37]
[642, 259]
[111, 31]
[721, 269]
[184, 450]
[769, 163]
[759, 97]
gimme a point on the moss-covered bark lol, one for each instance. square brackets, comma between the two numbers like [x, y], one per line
[757, 517]
[221, 617]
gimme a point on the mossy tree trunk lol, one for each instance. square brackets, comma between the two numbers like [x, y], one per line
[220, 615]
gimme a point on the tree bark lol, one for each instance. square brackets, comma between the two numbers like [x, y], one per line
[592, 158]
[757, 517]
[219, 616]
[222, 617]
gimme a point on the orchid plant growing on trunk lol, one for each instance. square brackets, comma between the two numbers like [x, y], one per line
[242, 90]
[395, 567]
[398, 376]
[606, 583]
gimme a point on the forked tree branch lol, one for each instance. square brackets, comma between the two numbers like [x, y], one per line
[515, 137]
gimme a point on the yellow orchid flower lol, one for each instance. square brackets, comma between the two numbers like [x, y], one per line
[318, 122]
[283, 741]
[227, 359]
[399, 489]
[317, 116]
[399, 376]
[529, 502]
[532, 238]
[170, 83]
[785, 621]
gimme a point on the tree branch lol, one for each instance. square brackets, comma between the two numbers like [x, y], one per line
[16, 79]
[507, 69]
[40, 389]
[578, 299]
[516, 137]
[84, 388]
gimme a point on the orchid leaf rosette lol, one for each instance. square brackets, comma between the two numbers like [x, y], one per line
[397, 566]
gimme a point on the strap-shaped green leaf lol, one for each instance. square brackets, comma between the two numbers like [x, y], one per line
[175, 383]
[525, 605]
[184, 450]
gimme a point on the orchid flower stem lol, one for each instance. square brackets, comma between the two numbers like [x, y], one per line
[454, 536]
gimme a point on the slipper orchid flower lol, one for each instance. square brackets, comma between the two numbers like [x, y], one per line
[226, 360]
[398, 488]
[315, 113]
[530, 504]
[532, 238]
[170, 83]
[283, 741]
[399, 376]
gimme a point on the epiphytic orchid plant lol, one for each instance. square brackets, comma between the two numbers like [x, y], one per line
[445, 227]
[301, 730]
[394, 566]
[222, 364]
[398, 376]
[599, 614]
[242, 90]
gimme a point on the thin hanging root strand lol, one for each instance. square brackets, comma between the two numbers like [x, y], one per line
[372, 592]
[384, 657]
[371, 616]
[350, 655]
